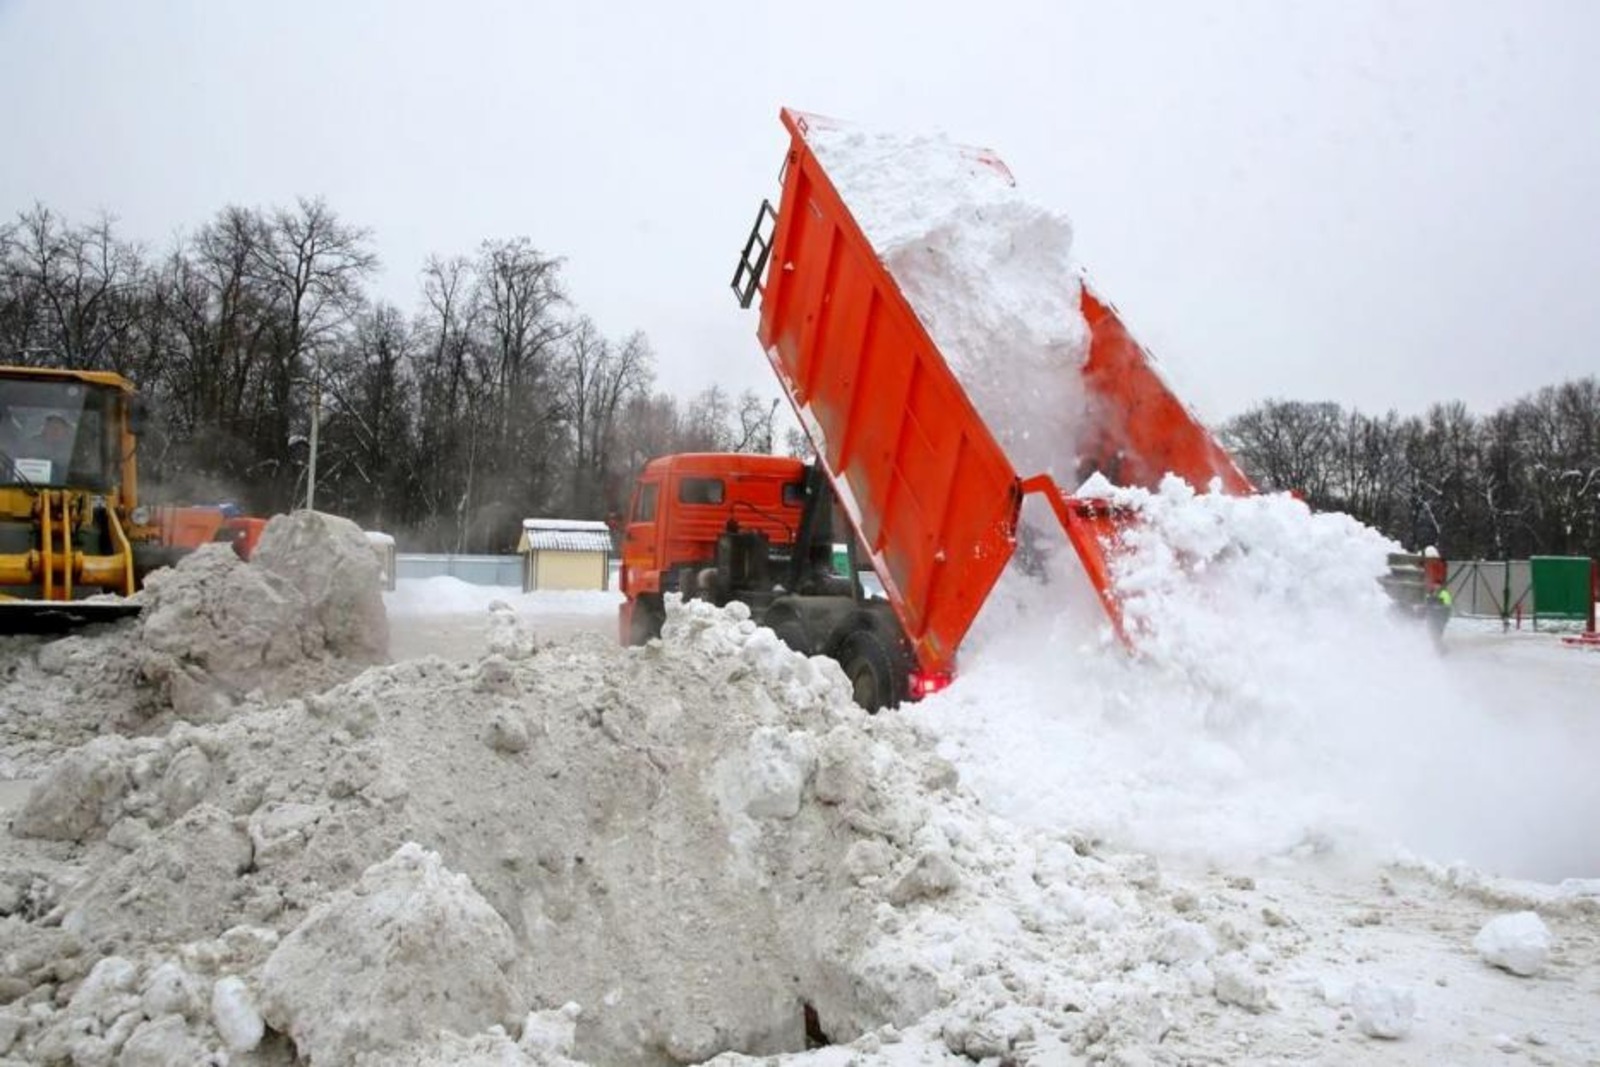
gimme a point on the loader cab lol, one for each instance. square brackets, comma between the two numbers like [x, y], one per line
[68, 498]
[59, 432]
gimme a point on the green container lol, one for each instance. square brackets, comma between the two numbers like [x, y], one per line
[1561, 588]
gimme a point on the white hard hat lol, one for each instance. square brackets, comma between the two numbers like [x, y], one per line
[1430, 553]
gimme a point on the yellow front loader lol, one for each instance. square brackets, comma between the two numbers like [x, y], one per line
[73, 539]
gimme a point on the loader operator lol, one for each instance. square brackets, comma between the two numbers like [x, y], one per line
[54, 442]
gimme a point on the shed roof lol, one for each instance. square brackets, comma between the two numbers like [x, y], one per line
[564, 535]
[566, 541]
[565, 524]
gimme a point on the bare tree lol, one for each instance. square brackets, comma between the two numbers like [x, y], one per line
[598, 379]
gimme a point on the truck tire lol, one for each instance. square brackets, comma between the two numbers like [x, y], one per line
[869, 666]
[645, 623]
[792, 632]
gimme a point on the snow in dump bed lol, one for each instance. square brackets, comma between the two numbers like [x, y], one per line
[988, 272]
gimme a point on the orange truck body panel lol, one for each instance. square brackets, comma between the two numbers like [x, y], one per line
[931, 494]
[188, 527]
[243, 532]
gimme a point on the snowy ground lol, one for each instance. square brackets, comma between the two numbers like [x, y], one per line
[448, 617]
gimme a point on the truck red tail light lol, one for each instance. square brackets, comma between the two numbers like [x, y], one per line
[927, 683]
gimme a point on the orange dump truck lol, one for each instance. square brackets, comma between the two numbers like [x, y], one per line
[918, 478]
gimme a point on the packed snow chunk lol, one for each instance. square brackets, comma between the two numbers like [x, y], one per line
[1238, 983]
[1184, 942]
[932, 874]
[508, 635]
[170, 989]
[330, 562]
[1518, 942]
[108, 991]
[1383, 1011]
[178, 884]
[160, 1043]
[80, 795]
[767, 779]
[410, 950]
[228, 618]
[235, 1014]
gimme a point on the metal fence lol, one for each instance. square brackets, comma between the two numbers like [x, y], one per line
[475, 570]
[1492, 588]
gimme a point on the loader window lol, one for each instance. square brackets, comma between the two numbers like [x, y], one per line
[53, 432]
[794, 494]
[701, 491]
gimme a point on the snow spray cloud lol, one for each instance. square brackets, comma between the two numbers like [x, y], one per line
[1275, 704]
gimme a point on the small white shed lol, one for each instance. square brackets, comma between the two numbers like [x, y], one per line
[565, 554]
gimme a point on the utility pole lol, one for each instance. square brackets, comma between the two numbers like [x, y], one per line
[316, 422]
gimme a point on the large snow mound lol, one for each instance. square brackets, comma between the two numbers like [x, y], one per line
[578, 852]
[215, 635]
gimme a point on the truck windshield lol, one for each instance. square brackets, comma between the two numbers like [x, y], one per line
[52, 434]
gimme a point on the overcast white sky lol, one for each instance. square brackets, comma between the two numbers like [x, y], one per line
[1376, 202]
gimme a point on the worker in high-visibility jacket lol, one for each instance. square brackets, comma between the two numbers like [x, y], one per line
[1438, 610]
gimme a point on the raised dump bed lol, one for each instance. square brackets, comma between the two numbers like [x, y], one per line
[926, 484]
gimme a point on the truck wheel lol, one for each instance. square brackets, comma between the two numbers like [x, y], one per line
[646, 622]
[869, 667]
[793, 633]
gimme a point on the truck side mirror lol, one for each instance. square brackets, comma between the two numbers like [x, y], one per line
[138, 413]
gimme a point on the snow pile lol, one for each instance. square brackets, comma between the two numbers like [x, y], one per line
[215, 635]
[567, 853]
[1518, 942]
[347, 980]
[698, 843]
[988, 272]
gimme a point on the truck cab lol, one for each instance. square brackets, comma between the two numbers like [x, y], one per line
[761, 530]
[681, 506]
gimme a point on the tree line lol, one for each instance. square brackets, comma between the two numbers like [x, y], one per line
[494, 399]
[1522, 481]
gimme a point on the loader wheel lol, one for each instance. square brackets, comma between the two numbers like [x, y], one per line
[870, 668]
